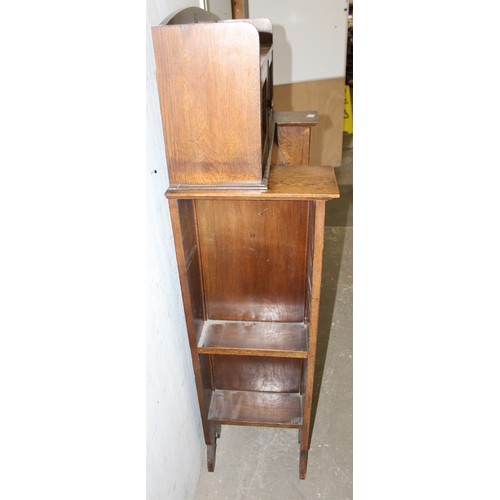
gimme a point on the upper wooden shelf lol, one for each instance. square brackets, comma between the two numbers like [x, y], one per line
[285, 183]
[286, 340]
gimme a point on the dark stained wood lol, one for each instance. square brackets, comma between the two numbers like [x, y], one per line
[287, 340]
[293, 137]
[248, 236]
[296, 118]
[239, 9]
[211, 451]
[256, 408]
[293, 145]
[315, 273]
[303, 464]
[309, 261]
[203, 386]
[285, 183]
[253, 258]
[256, 373]
[192, 265]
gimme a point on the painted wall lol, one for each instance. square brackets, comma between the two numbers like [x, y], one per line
[174, 439]
[309, 37]
[221, 8]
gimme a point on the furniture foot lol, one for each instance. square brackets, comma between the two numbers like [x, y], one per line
[218, 430]
[211, 449]
[300, 435]
[303, 464]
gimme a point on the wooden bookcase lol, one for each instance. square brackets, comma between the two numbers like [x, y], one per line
[248, 219]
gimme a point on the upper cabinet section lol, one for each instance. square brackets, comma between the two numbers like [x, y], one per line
[215, 89]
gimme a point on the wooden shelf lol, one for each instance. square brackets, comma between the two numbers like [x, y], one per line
[286, 340]
[272, 409]
[285, 183]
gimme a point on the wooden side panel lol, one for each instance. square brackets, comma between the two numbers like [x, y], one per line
[314, 287]
[251, 373]
[182, 216]
[327, 97]
[293, 145]
[192, 266]
[207, 388]
[253, 256]
[309, 261]
[212, 134]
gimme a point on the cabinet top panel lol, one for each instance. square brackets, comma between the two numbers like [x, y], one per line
[285, 183]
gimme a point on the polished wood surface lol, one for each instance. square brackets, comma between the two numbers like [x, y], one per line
[287, 340]
[314, 275]
[192, 266]
[209, 84]
[285, 183]
[239, 9]
[248, 232]
[256, 373]
[256, 408]
[191, 309]
[292, 142]
[253, 258]
[293, 145]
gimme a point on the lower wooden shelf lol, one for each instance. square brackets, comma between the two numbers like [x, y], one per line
[273, 409]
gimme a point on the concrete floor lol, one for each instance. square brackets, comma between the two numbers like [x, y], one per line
[263, 463]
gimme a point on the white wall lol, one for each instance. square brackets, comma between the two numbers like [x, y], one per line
[174, 439]
[309, 37]
[221, 8]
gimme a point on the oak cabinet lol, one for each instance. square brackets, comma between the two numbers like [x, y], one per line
[247, 213]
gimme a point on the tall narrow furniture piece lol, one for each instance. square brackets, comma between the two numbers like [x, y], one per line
[248, 219]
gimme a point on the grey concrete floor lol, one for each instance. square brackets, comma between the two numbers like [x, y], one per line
[263, 463]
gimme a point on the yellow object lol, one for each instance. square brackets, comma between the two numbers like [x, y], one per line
[347, 110]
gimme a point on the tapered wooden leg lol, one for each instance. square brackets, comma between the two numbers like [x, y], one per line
[218, 430]
[303, 464]
[215, 430]
[211, 449]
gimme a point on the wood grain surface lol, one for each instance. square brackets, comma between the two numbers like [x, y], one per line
[208, 78]
[253, 258]
[256, 408]
[285, 183]
[256, 373]
[256, 338]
